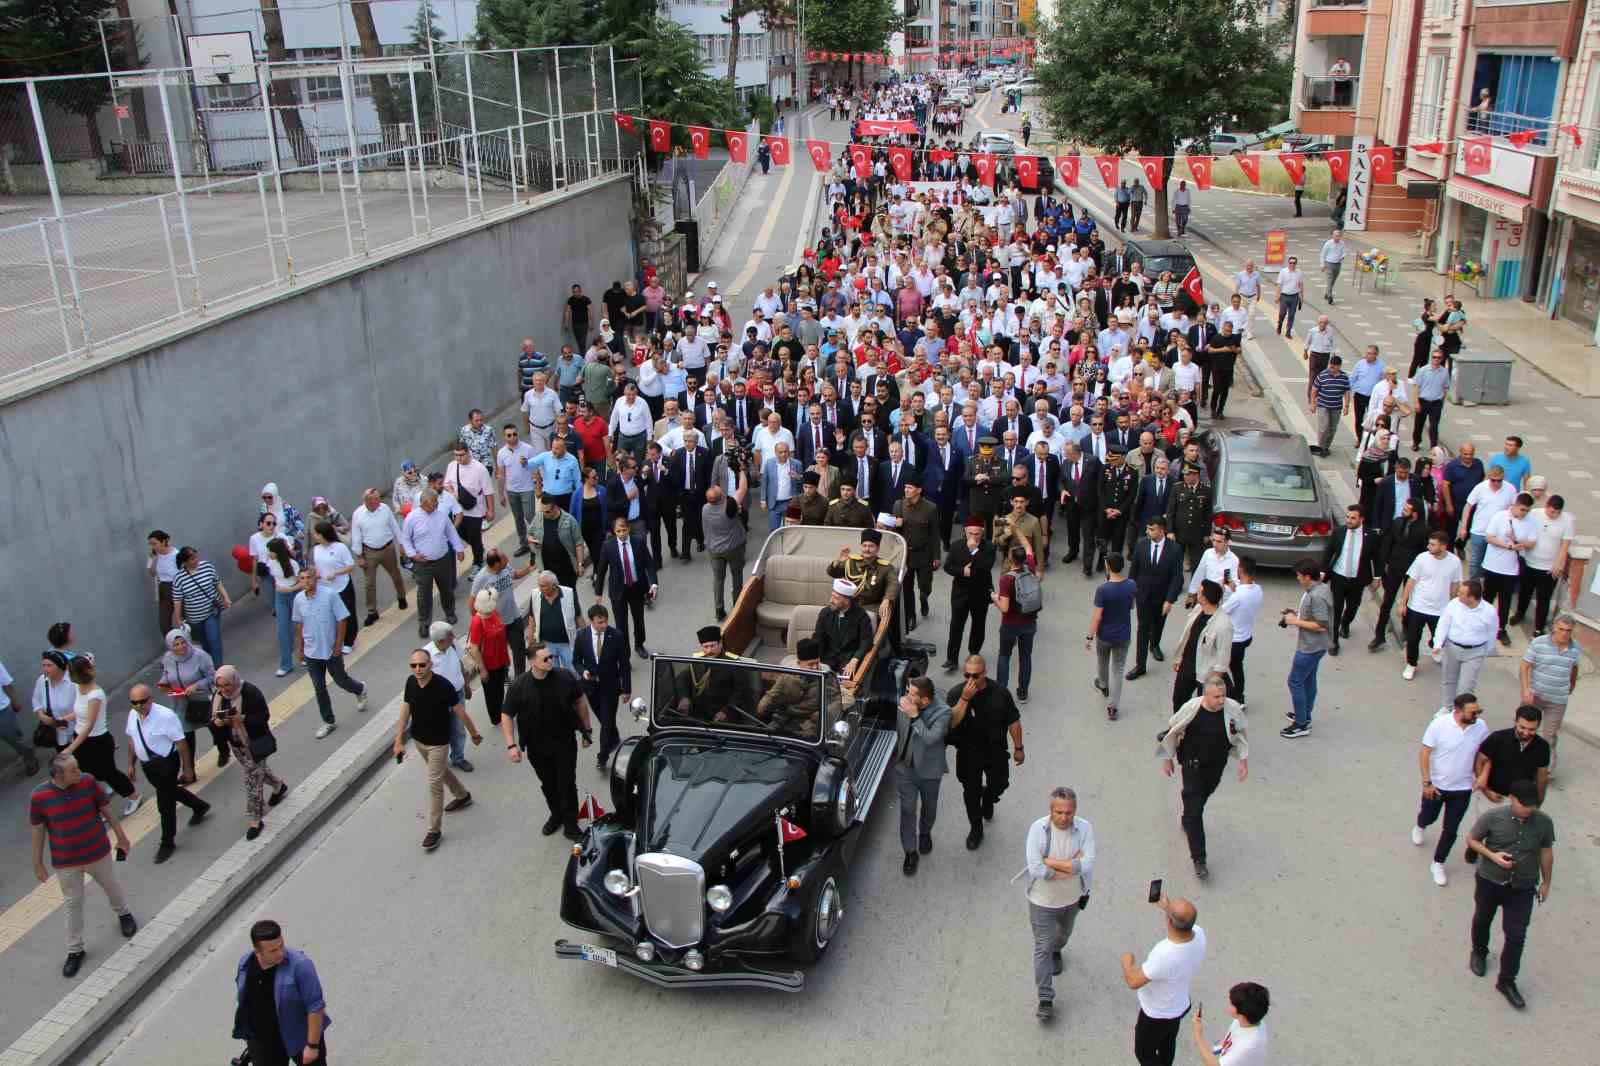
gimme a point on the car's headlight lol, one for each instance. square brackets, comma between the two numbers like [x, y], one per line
[719, 898]
[617, 882]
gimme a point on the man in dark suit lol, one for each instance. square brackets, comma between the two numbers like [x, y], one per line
[1080, 483]
[1011, 451]
[1150, 499]
[1121, 435]
[1348, 565]
[970, 565]
[814, 433]
[833, 410]
[890, 479]
[1401, 543]
[965, 436]
[913, 445]
[1044, 477]
[633, 482]
[688, 474]
[1156, 568]
[744, 411]
[600, 656]
[625, 572]
[877, 442]
[1014, 420]
[1200, 337]
[1398, 486]
[941, 479]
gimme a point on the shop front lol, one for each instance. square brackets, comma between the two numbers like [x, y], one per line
[1488, 252]
[1575, 290]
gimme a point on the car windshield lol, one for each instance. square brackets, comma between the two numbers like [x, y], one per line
[745, 696]
[1279, 482]
[1179, 265]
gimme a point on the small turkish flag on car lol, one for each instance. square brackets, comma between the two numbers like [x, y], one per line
[590, 809]
[1028, 171]
[819, 154]
[985, 161]
[778, 147]
[1067, 170]
[1151, 165]
[1294, 164]
[788, 832]
[1250, 164]
[1338, 165]
[900, 160]
[624, 121]
[700, 141]
[1381, 156]
[737, 143]
[1193, 288]
[1476, 155]
[1200, 170]
[861, 159]
[660, 135]
[1108, 165]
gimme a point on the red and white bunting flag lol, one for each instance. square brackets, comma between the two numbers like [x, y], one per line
[1200, 170]
[624, 121]
[1028, 171]
[738, 145]
[985, 162]
[1338, 165]
[1477, 156]
[1294, 164]
[1572, 131]
[660, 135]
[900, 161]
[1250, 164]
[1431, 147]
[1522, 138]
[1193, 287]
[779, 149]
[1152, 166]
[1067, 170]
[788, 832]
[1381, 156]
[818, 150]
[861, 159]
[1108, 164]
[700, 141]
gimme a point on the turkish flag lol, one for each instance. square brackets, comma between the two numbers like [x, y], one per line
[900, 160]
[1067, 170]
[1338, 165]
[1572, 131]
[700, 141]
[1200, 170]
[1152, 166]
[1431, 147]
[861, 159]
[819, 154]
[788, 832]
[1028, 171]
[779, 149]
[1294, 164]
[590, 809]
[660, 135]
[1193, 288]
[985, 162]
[1381, 156]
[1477, 155]
[624, 121]
[738, 145]
[1250, 164]
[1108, 165]
[1522, 138]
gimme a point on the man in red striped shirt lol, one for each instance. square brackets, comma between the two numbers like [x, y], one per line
[73, 812]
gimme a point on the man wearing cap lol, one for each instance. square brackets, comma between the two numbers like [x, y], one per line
[1114, 498]
[970, 565]
[847, 510]
[985, 479]
[1189, 515]
[844, 631]
[1516, 857]
[794, 702]
[918, 520]
[710, 690]
[812, 503]
[877, 585]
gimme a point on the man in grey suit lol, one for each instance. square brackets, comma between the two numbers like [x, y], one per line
[919, 766]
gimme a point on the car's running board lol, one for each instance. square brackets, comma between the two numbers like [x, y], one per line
[734, 974]
[873, 768]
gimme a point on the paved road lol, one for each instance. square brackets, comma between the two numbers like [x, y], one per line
[1315, 891]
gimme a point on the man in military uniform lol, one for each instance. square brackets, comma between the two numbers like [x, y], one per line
[710, 689]
[812, 503]
[878, 587]
[986, 479]
[847, 510]
[794, 702]
[919, 525]
[1189, 515]
[844, 631]
[1020, 527]
[1118, 486]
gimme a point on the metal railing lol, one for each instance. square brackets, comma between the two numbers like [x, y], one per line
[1338, 3]
[203, 208]
[1330, 93]
[1537, 131]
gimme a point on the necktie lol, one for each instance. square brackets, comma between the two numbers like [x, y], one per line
[1040, 481]
[627, 565]
[596, 639]
[688, 470]
[894, 473]
[863, 481]
[1077, 472]
[816, 436]
[1161, 487]
[971, 441]
[1155, 552]
[944, 455]
[741, 417]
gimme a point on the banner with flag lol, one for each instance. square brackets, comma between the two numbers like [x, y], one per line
[900, 162]
[1200, 170]
[861, 159]
[700, 141]
[1338, 165]
[1572, 131]
[590, 809]
[660, 135]
[1108, 166]
[1152, 165]
[1381, 156]
[985, 162]
[1294, 164]
[1477, 156]
[788, 832]
[738, 145]
[818, 150]
[624, 121]
[1250, 165]
[1067, 170]
[1522, 138]
[778, 147]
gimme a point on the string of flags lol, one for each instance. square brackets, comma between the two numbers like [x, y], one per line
[1008, 46]
[1477, 156]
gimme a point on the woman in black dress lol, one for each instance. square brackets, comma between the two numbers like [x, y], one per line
[1424, 339]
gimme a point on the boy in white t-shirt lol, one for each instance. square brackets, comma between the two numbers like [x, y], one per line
[1245, 1043]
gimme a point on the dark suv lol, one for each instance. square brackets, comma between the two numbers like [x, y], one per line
[1161, 255]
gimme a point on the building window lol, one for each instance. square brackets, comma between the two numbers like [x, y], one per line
[1429, 119]
[1520, 91]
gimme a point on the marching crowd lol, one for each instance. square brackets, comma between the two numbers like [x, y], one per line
[937, 368]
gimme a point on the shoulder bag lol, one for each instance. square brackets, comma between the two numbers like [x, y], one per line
[464, 496]
[44, 736]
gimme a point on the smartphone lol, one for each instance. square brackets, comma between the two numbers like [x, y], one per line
[1227, 575]
[1155, 890]
[399, 758]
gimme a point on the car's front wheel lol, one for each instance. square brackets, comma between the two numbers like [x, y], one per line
[824, 912]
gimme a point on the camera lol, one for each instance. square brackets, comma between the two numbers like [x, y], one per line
[1283, 619]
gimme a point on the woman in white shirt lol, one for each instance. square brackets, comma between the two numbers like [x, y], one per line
[93, 745]
[285, 584]
[334, 565]
[55, 697]
[1391, 385]
[268, 528]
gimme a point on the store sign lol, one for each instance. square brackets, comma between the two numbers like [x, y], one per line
[1513, 212]
[1277, 247]
[1359, 189]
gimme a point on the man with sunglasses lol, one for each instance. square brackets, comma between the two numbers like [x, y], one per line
[549, 707]
[982, 715]
[427, 707]
[156, 742]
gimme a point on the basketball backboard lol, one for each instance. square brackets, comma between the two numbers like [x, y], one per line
[222, 58]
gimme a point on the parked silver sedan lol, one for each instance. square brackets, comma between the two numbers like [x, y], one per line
[1267, 494]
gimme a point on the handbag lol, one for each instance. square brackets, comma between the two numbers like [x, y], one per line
[168, 765]
[44, 736]
[263, 747]
[464, 496]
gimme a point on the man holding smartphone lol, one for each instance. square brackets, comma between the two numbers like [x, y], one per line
[1162, 982]
[1060, 852]
[1516, 844]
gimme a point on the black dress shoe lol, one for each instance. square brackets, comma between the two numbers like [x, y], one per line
[1200, 870]
[975, 837]
[988, 810]
[1515, 620]
[909, 867]
[402, 603]
[1045, 1011]
[1377, 644]
[1334, 649]
[1133, 675]
[200, 814]
[223, 755]
[551, 825]
[524, 549]
[277, 797]
[1344, 630]
[924, 608]
[128, 926]
[1158, 655]
[71, 966]
[1478, 963]
[1508, 988]
[164, 852]
[252, 832]
[371, 619]
[925, 844]
[1056, 963]
[1069, 557]
[948, 666]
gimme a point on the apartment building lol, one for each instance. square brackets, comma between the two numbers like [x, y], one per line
[703, 19]
[1570, 288]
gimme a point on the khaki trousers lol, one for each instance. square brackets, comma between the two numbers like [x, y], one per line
[71, 881]
[436, 758]
[371, 559]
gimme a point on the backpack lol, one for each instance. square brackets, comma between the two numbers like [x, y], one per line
[1028, 593]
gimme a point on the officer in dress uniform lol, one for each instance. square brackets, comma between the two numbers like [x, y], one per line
[1118, 486]
[711, 689]
[877, 585]
[987, 477]
[794, 702]
[918, 519]
[847, 510]
[812, 503]
[1189, 515]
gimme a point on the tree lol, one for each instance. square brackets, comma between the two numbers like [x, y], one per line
[384, 97]
[284, 96]
[674, 84]
[43, 37]
[535, 23]
[771, 11]
[1181, 69]
[426, 35]
[852, 26]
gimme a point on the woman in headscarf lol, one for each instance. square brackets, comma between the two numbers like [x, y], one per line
[290, 524]
[187, 673]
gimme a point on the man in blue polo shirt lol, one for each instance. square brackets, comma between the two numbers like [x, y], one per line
[557, 472]
[1364, 377]
[1511, 460]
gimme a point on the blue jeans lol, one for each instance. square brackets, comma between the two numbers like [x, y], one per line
[776, 513]
[284, 606]
[458, 741]
[208, 635]
[562, 654]
[1020, 637]
[320, 670]
[1476, 547]
[1303, 685]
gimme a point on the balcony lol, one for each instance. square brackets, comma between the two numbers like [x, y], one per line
[1329, 94]
[1336, 18]
[1502, 124]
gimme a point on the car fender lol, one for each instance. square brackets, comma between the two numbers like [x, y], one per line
[833, 799]
[626, 765]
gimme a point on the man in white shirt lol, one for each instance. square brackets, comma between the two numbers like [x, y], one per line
[1487, 499]
[768, 436]
[1464, 635]
[1543, 563]
[375, 542]
[1242, 603]
[631, 422]
[1162, 981]
[1333, 253]
[1431, 581]
[1060, 855]
[1448, 761]
[1507, 536]
[539, 407]
[157, 743]
[1291, 287]
[513, 465]
[1236, 313]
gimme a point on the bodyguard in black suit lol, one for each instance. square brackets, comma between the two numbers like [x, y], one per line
[625, 571]
[1383, 509]
[689, 475]
[744, 413]
[660, 503]
[1156, 568]
[970, 565]
[1401, 543]
[1080, 483]
[600, 656]
[1357, 561]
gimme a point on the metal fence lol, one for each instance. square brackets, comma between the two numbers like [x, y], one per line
[214, 192]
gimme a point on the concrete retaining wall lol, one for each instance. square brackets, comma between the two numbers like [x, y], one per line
[323, 389]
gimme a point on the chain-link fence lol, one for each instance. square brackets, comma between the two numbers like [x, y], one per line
[205, 191]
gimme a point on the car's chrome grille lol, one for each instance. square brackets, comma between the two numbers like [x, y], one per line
[673, 893]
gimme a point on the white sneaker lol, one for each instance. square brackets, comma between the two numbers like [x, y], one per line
[133, 804]
[324, 729]
[282, 673]
[361, 700]
[1437, 869]
[1416, 836]
[1437, 655]
[347, 650]
[1410, 672]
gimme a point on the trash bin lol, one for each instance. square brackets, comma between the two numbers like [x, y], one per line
[1481, 377]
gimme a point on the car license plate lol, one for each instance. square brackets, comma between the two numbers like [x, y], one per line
[1271, 527]
[603, 956]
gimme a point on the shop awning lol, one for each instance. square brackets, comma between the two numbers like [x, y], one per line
[1506, 205]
